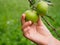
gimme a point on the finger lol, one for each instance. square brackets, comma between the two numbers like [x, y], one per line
[25, 30]
[27, 24]
[23, 19]
[39, 22]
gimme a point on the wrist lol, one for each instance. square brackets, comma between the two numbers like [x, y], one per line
[57, 41]
[53, 41]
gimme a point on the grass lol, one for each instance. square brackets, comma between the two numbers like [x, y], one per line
[10, 21]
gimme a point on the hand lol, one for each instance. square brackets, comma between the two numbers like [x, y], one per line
[37, 32]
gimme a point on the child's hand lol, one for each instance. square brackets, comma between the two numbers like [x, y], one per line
[37, 32]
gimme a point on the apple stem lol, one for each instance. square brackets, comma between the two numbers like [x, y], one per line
[51, 26]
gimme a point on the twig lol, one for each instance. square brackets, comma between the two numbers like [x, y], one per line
[51, 26]
[50, 17]
[32, 2]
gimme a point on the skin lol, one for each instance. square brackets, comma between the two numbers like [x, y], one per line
[38, 32]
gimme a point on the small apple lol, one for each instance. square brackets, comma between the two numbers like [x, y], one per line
[42, 8]
[31, 15]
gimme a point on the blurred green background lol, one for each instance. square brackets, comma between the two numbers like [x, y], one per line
[10, 21]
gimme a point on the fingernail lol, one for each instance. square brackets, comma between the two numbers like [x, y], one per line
[30, 22]
[23, 15]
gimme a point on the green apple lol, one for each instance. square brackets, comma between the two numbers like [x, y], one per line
[31, 15]
[42, 8]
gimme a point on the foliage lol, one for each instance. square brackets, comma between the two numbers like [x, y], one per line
[10, 21]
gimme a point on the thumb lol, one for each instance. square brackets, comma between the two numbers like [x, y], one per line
[39, 22]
